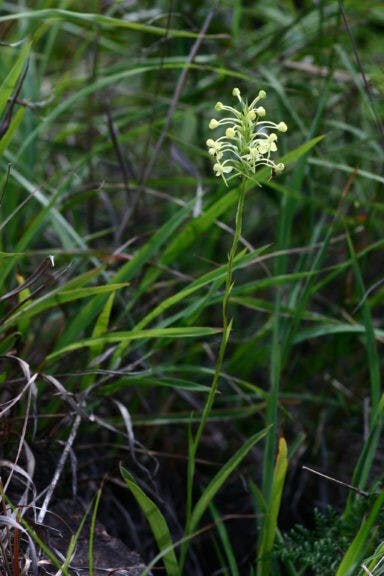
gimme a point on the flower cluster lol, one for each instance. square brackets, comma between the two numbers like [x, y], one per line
[248, 140]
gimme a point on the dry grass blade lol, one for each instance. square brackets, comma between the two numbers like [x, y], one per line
[177, 94]
[42, 269]
[59, 468]
[15, 527]
[68, 397]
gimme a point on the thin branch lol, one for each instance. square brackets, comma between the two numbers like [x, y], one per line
[9, 111]
[330, 479]
[367, 88]
[177, 94]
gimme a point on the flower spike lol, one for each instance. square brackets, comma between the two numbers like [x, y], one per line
[248, 141]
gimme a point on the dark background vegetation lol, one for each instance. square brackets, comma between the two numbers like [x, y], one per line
[103, 162]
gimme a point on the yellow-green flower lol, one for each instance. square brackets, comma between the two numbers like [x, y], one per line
[248, 141]
[214, 148]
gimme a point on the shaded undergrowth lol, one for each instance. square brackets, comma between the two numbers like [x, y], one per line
[113, 262]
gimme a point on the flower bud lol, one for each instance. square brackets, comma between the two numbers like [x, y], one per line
[230, 133]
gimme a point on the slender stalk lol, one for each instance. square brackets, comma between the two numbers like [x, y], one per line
[227, 323]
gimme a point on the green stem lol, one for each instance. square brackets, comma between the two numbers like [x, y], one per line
[227, 323]
[272, 406]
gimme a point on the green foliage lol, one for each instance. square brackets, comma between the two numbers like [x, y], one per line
[157, 522]
[269, 529]
[325, 548]
[317, 550]
[139, 344]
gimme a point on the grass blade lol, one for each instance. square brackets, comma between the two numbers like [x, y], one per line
[356, 550]
[156, 521]
[9, 83]
[226, 542]
[126, 337]
[268, 534]
[220, 478]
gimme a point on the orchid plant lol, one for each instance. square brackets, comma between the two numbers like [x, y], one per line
[246, 145]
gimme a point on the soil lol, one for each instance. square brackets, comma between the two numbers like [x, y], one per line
[110, 554]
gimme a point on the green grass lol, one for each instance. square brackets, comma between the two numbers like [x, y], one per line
[174, 375]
